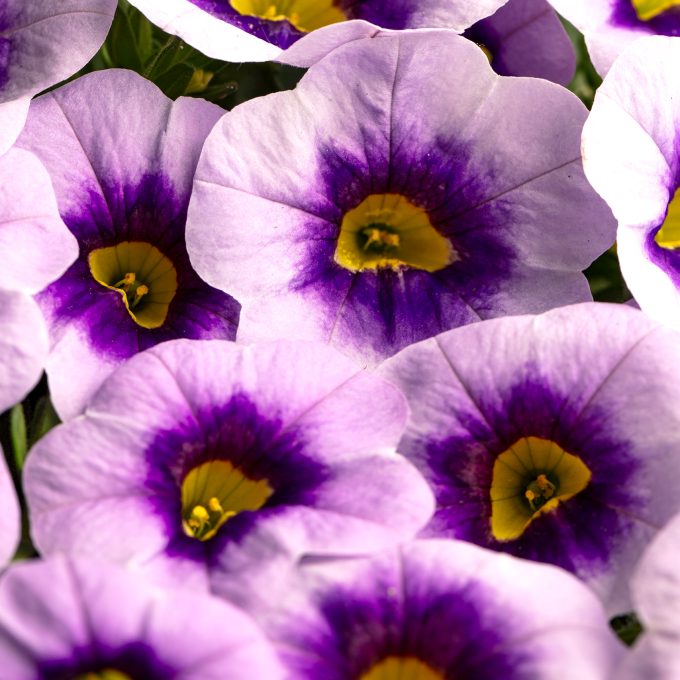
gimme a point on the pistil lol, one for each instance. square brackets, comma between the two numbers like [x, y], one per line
[539, 492]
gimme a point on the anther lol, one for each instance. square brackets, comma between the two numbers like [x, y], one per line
[215, 506]
[200, 513]
[126, 282]
[140, 292]
[380, 238]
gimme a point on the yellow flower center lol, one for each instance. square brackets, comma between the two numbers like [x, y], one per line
[648, 9]
[669, 235]
[305, 15]
[387, 230]
[532, 478]
[215, 491]
[144, 277]
[401, 668]
[107, 674]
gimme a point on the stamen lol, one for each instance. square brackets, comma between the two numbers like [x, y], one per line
[140, 292]
[379, 239]
[200, 513]
[215, 505]
[126, 281]
[546, 487]
[539, 492]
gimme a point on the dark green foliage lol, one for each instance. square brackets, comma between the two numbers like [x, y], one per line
[627, 627]
[178, 69]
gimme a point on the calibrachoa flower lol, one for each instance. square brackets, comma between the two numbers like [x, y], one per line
[210, 463]
[441, 610]
[35, 249]
[630, 147]
[374, 212]
[64, 619]
[539, 436]
[526, 38]
[260, 30]
[122, 156]
[610, 26]
[42, 43]
[656, 598]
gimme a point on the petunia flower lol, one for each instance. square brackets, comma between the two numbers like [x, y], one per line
[610, 26]
[539, 436]
[121, 157]
[655, 590]
[440, 610]
[42, 43]
[63, 619]
[526, 38]
[216, 466]
[376, 211]
[630, 146]
[260, 30]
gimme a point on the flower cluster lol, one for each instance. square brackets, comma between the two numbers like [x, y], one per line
[327, 393]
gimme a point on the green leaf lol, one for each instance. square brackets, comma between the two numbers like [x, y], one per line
[605, 279]
[172, 52]
[17, 430]
[586, 79]
[143, 30]
[175, 81]
[627, 627]
[44, 419]
[122, 44]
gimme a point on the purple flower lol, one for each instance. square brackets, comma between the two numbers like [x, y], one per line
[122, 157]
[260, 30]
[526, 38]
[630, 146]
[42, 43]
[63, 619]
[215, 465]
[440, 610]
[610, 26]
[372, 213]
[655, 590]
[540, 436]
